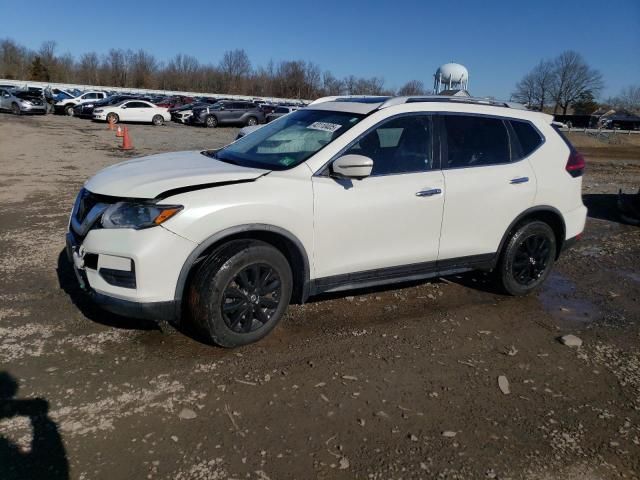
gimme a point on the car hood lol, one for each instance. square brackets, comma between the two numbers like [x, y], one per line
[157, 175]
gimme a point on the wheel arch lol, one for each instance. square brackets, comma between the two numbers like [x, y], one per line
[545, 213]
[286, 242]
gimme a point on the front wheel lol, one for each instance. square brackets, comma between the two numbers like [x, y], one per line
[157, 120]
[69, 110]
[113, 118]
[240, 292]
[527, 258]
[251, 121]
[15, 109]
[211, 122]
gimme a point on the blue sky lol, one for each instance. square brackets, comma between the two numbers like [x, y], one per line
[399, 40]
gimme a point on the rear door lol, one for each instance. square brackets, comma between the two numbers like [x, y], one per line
[487, 183]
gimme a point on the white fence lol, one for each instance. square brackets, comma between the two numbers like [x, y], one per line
[143, 91]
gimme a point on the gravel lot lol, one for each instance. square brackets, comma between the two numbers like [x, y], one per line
[388, 384]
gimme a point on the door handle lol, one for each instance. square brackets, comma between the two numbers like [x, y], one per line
[515, 181]
[429, 192]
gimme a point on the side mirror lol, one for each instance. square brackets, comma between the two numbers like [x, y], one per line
[123, 106]
[352, 166]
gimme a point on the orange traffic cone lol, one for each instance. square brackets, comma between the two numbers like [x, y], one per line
[126, 141]
[119, 133]
[111, 124]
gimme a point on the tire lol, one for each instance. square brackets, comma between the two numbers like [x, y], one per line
[527, 258]
[251, 121]
[157, 120]
[227, 305]
[211, 121]
[69, 110]
[113, 117]
[15, 109]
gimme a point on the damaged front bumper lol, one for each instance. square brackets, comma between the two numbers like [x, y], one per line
[131, 284]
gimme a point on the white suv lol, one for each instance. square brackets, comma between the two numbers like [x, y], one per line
[346, 193]
[66, 104]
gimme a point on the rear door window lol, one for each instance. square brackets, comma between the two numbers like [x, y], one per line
[527, 136]
[475, 141]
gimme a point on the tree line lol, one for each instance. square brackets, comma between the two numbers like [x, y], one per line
[569, 82]
[232, 74]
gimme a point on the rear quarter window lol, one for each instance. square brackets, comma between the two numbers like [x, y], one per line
[528, 137]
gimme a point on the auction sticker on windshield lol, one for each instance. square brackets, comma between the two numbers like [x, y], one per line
[325, 126]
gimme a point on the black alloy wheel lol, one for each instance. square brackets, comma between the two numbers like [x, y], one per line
[251, 298]
[527, 258]
[531, 259]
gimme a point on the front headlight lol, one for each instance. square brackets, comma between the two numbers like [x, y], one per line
[137, 215]
[26, 102]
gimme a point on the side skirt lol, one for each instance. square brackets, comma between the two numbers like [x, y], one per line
[404, 273]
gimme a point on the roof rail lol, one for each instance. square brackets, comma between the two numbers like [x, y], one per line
[451, 99]
[346, 98]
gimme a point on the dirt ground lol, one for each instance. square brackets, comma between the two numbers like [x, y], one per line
[390, 384]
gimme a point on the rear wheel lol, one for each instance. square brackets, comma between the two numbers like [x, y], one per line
[527, 258]
[211, 121]
[15, 109]
[240, 292]
[157, 120]
[113, 118]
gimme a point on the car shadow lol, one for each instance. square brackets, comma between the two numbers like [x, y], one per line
[69, 283]
[603, 206]
[46, 456]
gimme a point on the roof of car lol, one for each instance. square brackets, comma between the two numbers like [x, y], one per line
[367, 104]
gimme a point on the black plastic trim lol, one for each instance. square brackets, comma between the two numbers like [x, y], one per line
[119, 278]
[141, 310]
[528, 211]
[404, 273]
[213, 239]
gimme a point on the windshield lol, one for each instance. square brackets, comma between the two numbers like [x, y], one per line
[288, 141]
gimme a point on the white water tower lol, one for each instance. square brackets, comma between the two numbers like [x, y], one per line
[451, 76]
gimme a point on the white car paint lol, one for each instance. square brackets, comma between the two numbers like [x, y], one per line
[133, 111]
[146, 177]
[344, 227]
[86, 97]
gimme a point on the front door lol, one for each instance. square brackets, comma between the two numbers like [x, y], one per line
[390, 219]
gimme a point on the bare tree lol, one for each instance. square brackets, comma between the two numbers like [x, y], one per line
[15, 60]
[628, 99]
[412, 87]
[235, 67]
[89, 69]
[143, 68]
[573, 77]
[331, 85]
[535, 87]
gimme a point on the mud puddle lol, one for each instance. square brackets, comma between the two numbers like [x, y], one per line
[560, 298]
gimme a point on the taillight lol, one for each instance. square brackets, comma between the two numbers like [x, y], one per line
[575, 164]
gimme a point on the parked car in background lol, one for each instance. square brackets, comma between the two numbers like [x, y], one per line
[175, 101]
[22, 101]
[86, 109]
[133, 111]
[228, 112]
[66, 105]
[279, 112]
